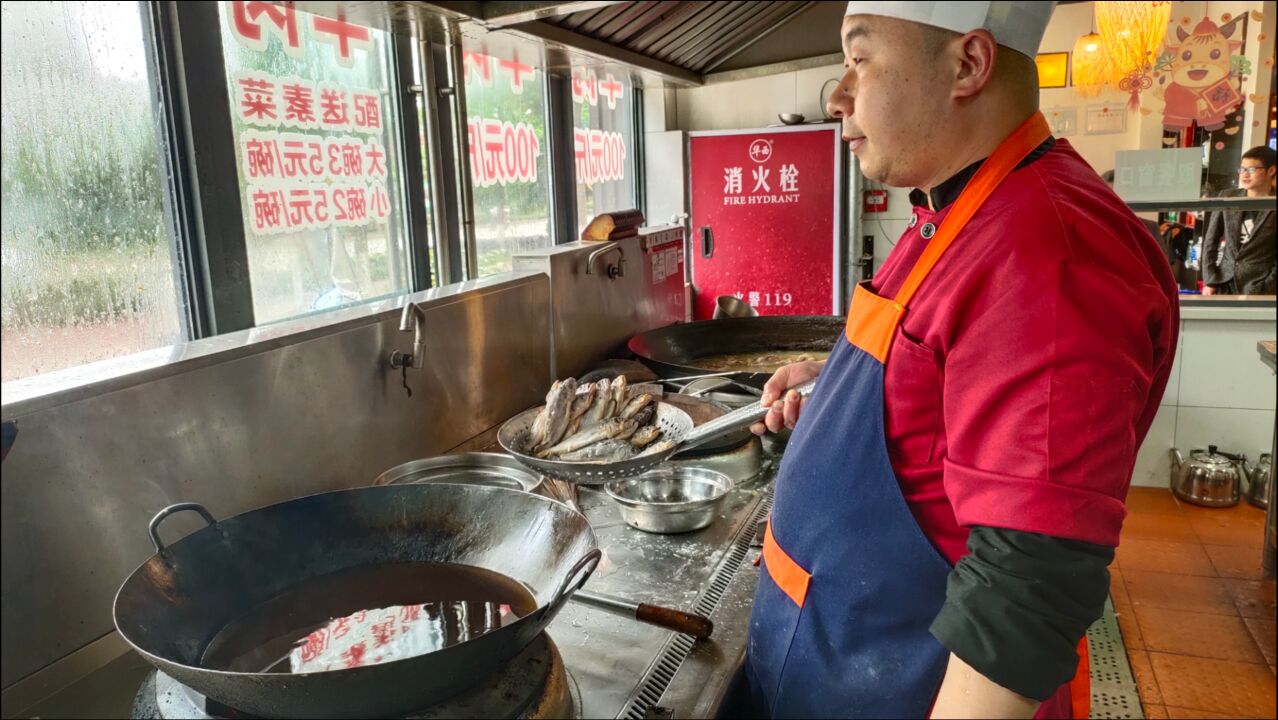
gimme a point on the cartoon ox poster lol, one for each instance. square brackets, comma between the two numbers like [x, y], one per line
[1199, 75]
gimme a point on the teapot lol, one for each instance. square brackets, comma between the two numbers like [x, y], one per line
[1209, 478]
[1258, 479]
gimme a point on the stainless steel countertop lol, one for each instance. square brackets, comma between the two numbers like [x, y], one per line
[609, 656]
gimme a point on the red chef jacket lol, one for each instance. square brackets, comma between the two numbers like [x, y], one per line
[1032, 360]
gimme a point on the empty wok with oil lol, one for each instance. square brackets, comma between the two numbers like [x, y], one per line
[175, 603]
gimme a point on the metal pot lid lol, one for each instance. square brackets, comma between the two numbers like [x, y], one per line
[1211, 457]
[476, 468]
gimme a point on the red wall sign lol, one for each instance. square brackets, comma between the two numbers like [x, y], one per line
[765, 219]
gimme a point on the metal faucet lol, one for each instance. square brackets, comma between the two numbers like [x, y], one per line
[413, 320]
[614, 271]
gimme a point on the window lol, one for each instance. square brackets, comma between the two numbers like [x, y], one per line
[603, 142]
[87, 267]
[506, 133]
[315, 120]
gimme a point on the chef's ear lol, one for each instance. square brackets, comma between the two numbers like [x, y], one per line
[973, 56]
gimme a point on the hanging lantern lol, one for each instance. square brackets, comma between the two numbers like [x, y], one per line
[1089, 66]
[1132, 35]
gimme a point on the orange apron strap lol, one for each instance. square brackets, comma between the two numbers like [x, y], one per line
[1029, 135]
[1080, 688]
[784, 571]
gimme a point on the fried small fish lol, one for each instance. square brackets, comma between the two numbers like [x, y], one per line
[601, 408]
[619, 385]
[645, 435]
[614, 428]
[558, 412]
[537, 435]
[634, 405]
[646, 415]
[611, 450]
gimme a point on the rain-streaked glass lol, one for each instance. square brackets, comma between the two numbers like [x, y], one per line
[87, 264]
[302, 271]
[509, 154]
[603, 141]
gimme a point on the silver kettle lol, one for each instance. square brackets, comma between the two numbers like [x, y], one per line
[1209, 478]
[1258, 479]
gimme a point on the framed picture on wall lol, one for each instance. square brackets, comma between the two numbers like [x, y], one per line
[1063, 120]
[1105, 120]
[1053, 69]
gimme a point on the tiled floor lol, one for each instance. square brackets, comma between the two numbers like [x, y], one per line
[1197, 620]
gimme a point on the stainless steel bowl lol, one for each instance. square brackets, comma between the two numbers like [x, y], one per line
[477, 468]
[671, 499]
[791, 118]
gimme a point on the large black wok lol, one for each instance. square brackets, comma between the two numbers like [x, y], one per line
[176, 602]
[673, 351]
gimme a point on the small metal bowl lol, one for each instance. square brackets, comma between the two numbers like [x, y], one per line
[791, 118]
[671, 499]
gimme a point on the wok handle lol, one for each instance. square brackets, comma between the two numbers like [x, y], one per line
[154, 528]
[698, 626]
[736, 420]
[567, 587]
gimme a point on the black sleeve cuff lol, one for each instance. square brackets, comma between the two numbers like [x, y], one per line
[1018, 603]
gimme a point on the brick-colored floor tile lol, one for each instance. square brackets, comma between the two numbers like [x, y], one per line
[1234, 561]
[1159, 526]
[1221, 686]
[1228, 526]
[1265, 631]
[1146, 683]
[1146, 500]
[1199, 634]
[1155, 712]
[1191, 714]
[1253, 598]
[1179, 592]
[1164, 556]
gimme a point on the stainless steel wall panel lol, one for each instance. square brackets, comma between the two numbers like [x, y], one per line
[85, 476]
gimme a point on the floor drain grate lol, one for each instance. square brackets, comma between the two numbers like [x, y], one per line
[1114, 692]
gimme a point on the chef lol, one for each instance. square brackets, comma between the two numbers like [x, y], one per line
[954, 487]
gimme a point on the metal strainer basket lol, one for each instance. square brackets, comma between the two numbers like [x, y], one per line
[677, 433]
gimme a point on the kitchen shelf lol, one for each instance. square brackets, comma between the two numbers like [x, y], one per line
[1203, 204]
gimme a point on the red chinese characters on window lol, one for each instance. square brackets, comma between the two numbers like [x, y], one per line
[502, 152]
[256, 98]
[384, 631]
[368, 114]
[598, 155]
[253, 22]
[585, 88]
[343, 34]
[479, 66]
[611, 90]
[378, 201]
[375, 157]
[334, 110]
[516, 70]
[299, 103]
[268, 218]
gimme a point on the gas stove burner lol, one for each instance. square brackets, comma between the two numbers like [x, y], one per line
[535, 684]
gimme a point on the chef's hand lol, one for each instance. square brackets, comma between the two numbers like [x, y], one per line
[784, 407]
[1209, 290]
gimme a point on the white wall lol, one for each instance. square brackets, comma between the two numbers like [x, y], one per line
[1219, 393]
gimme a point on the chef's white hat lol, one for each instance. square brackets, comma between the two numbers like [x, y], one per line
[1017, 25]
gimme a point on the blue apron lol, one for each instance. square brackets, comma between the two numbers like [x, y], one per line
[851, 584]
